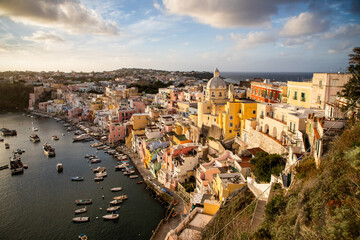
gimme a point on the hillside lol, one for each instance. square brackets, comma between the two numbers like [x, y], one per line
[323, 204]
[14, 97]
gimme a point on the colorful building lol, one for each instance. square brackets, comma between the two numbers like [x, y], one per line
[299, 93]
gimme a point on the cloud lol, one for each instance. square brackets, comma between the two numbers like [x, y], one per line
[69, 15]
[347, 31]
[41, 37]
[219, 37]
[295, 41]
[306, 23]
[228, 13]
[252, 39]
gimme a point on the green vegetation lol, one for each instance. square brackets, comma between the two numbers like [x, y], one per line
[14, 97]
[151, 88]
[267, 164]
[239, 228]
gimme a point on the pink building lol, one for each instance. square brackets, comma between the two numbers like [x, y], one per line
[43, 105]
[139, 106]
[75, 112]
[117, 133]
[125, 114]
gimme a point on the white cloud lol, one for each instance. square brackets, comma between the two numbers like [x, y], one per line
[251, 40]
[347, 31]
[219, 37]
[42, 37]
[227, 13]
[306, 23]
[69, 15]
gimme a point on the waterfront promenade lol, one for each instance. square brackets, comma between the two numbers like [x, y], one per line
[172, 222]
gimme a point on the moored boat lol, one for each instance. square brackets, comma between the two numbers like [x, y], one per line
[116, 189]
[4, 166]
[81, 219]
[121, 197]
[111, 216]
[82, 137]
[116, 202]
[59, 167]
[101, 174]
[97, 179]
[6, 132]
[81, 210]
[48, 150]
[83, 201]
[35, 129]
[95, 160]
[16, 165]
[77, 178]
[7, 146]
[133, 176]
[55, 138]
[34, 138]
[82, 237]
[139, 182]
[99, 169]
[112, 209]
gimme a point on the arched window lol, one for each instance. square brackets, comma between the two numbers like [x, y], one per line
[220, 94]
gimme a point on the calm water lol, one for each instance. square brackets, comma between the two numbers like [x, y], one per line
[235, 77]
[39, 204]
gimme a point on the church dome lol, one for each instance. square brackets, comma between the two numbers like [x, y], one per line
[216, 82]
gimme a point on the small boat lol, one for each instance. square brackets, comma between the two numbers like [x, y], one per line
[99, 169]
[48, 150]
[174, 214]
[19, 151]
[112, 209]
[101, 174]
[97, 144]
[82, 137]
[116, 202]
[139, 182]
[62, 134]
[95, 160]
[83, 201]
[25, 166]
[133, 176]
[116, 189]
[59, 167]
[1, 139]
[121, 197]
[97, 179]
[129, 172]
[77, 178]
[82, 236]
[81, 219]
[55, 138]
[35, 129]
[34, 138]
[81, 210]
[175, 202]
[120, 166]
[7, 146]
[4, 166]
[100, 148]
[111, 216]
[16, 165]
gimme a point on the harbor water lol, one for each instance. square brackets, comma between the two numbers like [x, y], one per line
[40, 203]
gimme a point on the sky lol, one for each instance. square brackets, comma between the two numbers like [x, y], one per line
[184, 35]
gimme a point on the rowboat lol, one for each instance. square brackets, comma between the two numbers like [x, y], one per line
[81, 219]
[81, 210]
[97, 179]
[116, 202]
[83, 201]
[77, 178]
[121, 197]
[112, 209]
[111, 216]
[116, 189]
[133, 176]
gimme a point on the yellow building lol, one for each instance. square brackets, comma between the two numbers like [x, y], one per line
[140, 121]
[222, 110]
[299, 93]
[97, 104]
[226, 183]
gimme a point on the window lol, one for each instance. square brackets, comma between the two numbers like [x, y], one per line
[212, 94]
[280, 96]
[231, 117]
[214, 119]
[320, 83]
[240, 110]
[254, 112]
[290, 126]
[303, 97]
[319, 99]
[220, 94]
[295, 95]
[230, 131]
[231, 125]
[289, 94]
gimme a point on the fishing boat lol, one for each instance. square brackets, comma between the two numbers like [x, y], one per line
[97, 179]
[101, 174]
[116, 189]
[34, 138]
[55, 138]
[59, 167]
[81, 219]
[48, 150]
[120, 166]
[82, 236]
[95, 160]
[112, 209]
[121, 197]
[77, 178]
[111, 216]
[116, 202]
[6, 132]
[16, 165]
[82, 137]
[97, 144]
[99, 169]
[133, 176]
[7, 146]
[139, 182]
[81, 210]
[83, 201]
[35, 129]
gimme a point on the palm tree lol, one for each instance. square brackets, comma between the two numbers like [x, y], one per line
[355, 57]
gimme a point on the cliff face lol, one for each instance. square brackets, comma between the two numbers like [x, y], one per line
[323, 204]
[14, 97]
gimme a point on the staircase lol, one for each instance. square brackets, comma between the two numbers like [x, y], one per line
[259, 214]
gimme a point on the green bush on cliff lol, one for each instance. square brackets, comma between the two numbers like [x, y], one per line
[267, 164]
[14, 96]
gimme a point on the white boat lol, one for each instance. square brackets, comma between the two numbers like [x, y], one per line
[97, 144]
[82, 137]
[121, 197]
[55, 138]
[59, 167]
[35, 129]
[121, 166]
[112, 209]
[48, 150]
[77, 178]
[101, 174]
[83, 201]
[34, 138]
[116, 189]
[81, 210]
[111, 216]
[98, 179]
[133, 176]
[99, 169]
[81, 219]
[16, 165]
[116, 202]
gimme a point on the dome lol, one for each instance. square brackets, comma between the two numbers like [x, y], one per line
[216, 81]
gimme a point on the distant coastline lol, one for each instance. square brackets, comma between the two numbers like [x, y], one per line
[235, 77]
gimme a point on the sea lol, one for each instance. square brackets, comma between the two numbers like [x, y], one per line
[40, 203]
[235, 77]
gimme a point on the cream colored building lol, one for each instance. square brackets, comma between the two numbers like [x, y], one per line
[299, 93]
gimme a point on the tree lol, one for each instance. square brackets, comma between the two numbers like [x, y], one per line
[351, 91]
[267, 164]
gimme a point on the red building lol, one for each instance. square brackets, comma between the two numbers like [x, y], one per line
[267, 91]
